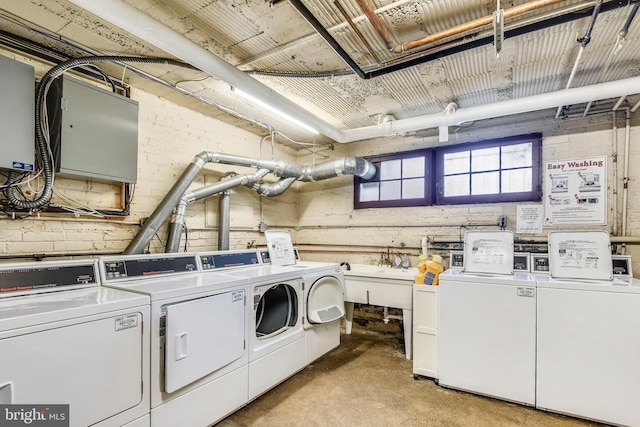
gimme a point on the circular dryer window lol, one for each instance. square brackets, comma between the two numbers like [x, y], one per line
[276, 311]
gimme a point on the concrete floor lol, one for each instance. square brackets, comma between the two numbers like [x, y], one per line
[367, 381]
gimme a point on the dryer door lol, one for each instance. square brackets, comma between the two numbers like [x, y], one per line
[202, 336]
[325, 300]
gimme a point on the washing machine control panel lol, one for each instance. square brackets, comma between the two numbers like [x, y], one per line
[127, 267]
[227, 259]
[540, 263]
[46, 276]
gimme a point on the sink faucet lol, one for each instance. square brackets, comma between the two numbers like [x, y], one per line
[385, 260]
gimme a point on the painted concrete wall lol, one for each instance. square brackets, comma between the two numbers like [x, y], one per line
[169, 138]
[331, 230]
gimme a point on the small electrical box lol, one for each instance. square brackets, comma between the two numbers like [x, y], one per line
[94, 132]
[17, 115]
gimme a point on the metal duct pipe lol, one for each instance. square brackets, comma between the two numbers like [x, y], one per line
[164, 209]
[224, 220]
[275, 189]
[178, 197]
[177, 221]
[346, 166]
[278, 167]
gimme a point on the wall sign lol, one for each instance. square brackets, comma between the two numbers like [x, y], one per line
[575, 192]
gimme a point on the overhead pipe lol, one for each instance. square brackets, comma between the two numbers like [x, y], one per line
[356, 30]
[584, 41]
[377, 23]
[472, 25]
[625, 174]
[614, 191]
[313, 21]
[614, 51]
[137, 23]
[141, 25]
[499, 109]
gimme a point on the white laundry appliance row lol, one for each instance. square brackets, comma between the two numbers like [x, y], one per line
[564, 338]
[162, 339]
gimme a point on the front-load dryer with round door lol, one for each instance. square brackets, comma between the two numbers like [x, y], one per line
[199, 358]
[276, 336]
[323, 307]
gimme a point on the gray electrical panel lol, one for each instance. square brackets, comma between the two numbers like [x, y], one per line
[94, 132]
[17, 115]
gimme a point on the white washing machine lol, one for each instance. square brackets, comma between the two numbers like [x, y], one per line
[323, 306]
[199, 358]
[487, 335]
[276, 337]
[588, 333]
[66, 340]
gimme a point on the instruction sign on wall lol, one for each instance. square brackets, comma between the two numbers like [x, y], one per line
[575, 191]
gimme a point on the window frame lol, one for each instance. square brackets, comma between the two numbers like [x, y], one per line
[427, 198]
[536, 169]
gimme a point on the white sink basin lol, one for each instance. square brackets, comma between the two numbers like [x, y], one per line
[364, 270]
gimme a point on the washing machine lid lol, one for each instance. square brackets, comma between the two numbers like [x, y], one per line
[489, 252]
[266, 273]
[580, 255]
[325, 300]
[32, 310]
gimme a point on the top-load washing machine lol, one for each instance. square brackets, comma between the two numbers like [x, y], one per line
[487, 332]
[276, 337]
[198, 340]
[65, 340]
[588, 331]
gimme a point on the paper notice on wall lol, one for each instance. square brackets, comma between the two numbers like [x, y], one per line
[529, 220]
[575, 192]
[280, 247]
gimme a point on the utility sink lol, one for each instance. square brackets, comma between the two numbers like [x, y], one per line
[382, 286]
[364, 270]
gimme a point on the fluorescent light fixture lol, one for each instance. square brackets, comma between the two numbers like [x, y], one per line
[273, 109]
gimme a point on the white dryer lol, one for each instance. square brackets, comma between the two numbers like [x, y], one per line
[276, 337]
[198, 341]
[66, 340]
[323, 307]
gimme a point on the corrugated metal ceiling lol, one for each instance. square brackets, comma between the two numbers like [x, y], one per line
[263, 38]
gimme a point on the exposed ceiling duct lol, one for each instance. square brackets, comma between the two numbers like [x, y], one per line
[141, 25]
[178, 197]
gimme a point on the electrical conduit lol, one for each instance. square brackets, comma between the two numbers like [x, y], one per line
[137, 23]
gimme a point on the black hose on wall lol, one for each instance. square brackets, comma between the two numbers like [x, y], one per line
[41, 144]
